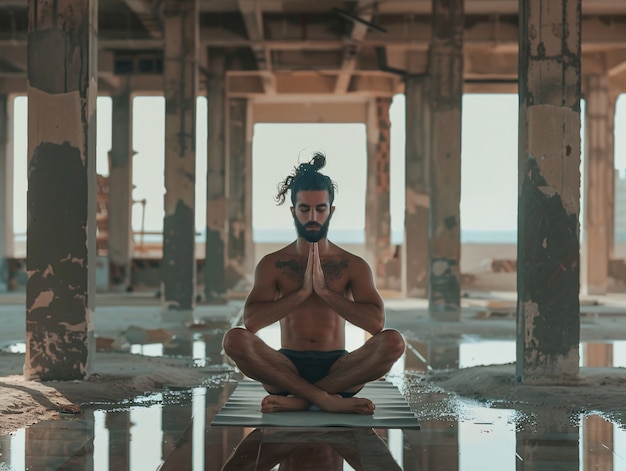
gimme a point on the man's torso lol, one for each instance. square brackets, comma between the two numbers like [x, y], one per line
[315, 325]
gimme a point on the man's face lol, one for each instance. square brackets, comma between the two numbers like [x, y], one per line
[311, 215]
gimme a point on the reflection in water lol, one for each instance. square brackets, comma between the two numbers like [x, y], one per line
[171, 431]
[263, 449]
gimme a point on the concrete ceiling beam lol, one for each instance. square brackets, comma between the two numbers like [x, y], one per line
[365, 12]
[148, 13]
[253, 19]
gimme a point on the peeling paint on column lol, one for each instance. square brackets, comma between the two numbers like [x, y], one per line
[446, 71]
[444, 283]
[178, 249]
[178, 268]
[551, 326]
[548, 323]
[214, 280]
[57, 331]
[62, 90]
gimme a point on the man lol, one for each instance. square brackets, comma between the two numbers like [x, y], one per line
[312, 287]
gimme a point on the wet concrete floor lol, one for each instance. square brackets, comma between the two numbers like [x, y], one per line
[170, 430]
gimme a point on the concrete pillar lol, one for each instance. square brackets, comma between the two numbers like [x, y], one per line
[613, 95]
[446, 71]
[61, 232]
[238, 268]
[6, 189]
[377, 202]
[120, 240]
[216, 217]
[548, 325]
[181, 85]
[597, 184]
[417, 206]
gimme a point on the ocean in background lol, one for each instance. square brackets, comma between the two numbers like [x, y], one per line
[357, 236]
[350, 236]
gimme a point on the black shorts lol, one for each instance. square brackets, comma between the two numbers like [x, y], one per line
[313, 365]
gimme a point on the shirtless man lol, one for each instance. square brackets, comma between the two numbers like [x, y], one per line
[312, 287]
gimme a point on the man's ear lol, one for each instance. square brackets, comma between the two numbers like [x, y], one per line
[332, 210]
[293, 211]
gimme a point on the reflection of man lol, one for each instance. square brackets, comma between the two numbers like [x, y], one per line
[292, 450]
[313, 287]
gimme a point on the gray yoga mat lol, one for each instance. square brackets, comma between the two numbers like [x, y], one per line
[243, 409]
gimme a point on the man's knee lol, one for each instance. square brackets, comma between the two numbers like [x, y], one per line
[234, 341]
[392, 343]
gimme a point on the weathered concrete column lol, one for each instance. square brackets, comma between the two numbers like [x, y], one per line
[181, 85]
[597, 184]
[216, 210]
[446, 71]
[238, 266]
[548, 325]
[61, 232]
[6, 188]
[613, 95]
[377, 201]
[417, 206]
[120, 240]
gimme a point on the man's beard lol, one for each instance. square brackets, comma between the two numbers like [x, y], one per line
[310, 235]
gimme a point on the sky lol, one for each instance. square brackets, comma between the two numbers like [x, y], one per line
[489, 147]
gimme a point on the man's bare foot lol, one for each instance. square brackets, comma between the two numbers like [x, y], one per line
[350, 405]
[277, 403]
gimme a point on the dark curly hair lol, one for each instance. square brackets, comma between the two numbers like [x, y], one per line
[306, 177]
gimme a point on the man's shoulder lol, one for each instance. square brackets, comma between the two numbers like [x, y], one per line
[341, 252]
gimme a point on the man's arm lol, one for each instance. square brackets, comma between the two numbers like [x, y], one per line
[365, 309]
[265, 305]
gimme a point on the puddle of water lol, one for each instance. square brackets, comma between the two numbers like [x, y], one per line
[171, 431]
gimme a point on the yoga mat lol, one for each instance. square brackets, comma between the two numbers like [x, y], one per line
[243, 409]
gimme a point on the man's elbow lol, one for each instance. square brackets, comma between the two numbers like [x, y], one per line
[377, 326]
[250, 325]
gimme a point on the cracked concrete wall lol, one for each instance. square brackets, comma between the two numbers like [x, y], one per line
[446, 71]
[216, 217]
[61, 242]
[417, 206]
[180, 90]
[548, 325]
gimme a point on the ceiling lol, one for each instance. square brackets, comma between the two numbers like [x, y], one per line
[283, 49]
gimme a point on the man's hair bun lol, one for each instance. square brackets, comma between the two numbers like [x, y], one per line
[306, 176]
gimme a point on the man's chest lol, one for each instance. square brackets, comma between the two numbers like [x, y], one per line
[290, 273]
